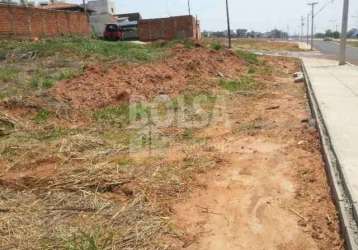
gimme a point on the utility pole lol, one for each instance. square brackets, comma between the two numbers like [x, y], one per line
[342, 51]
[228, 23]
[302, 27]
[312, 23]
[308, 28]
[189, 9]
[85, 7]
[288, 32]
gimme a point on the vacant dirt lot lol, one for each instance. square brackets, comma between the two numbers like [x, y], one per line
[163, 146]
[272, 191]
[259, 44]
[265, 45]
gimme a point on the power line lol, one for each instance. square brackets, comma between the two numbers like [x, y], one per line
[324, 7]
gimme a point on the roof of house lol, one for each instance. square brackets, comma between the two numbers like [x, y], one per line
[128, 23]
[9, 3]
[64, 6]
[131, 16]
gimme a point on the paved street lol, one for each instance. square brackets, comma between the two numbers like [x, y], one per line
[330, 49]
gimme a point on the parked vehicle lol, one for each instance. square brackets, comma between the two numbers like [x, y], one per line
[327, 39]
[113, 32]
[130, 32]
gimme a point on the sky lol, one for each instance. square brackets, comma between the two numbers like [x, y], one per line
[258, 15]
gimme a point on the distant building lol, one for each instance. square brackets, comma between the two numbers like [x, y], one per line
[241, 33]
[102, 15]
[353, 33]
[254, 34]
[8, 2]
[64, 6]
[130, 16]
[102, 6]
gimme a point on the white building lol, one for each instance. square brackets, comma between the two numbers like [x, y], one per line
[103, 14]
[102, 6]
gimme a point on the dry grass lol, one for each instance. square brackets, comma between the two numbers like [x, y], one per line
[265, 45]
[353, 43]
[90, 190]
[68, 188]
[67, 185]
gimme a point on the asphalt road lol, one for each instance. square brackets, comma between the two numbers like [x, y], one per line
[331, 50]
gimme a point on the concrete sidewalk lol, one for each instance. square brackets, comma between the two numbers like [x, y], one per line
[335, 90]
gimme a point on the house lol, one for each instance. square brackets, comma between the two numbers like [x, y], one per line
[10, 3]
[102, 6]
[64, 6]
[102, 15]
[130, 16]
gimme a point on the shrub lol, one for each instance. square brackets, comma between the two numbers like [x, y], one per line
[216, 46]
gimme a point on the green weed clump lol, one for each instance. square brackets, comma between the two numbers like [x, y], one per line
[45, 80]
[40, 80]
[216, 46]
[244, 84]
[89, 241]
[186, 43]
[85, 47]
[48, 83]
[121, 115]
[8, 73]
[42, 116]
[65, 74]
[248, 57]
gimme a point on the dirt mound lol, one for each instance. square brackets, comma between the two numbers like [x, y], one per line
[100, 87]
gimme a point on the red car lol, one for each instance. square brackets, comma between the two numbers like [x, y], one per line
[113, 32]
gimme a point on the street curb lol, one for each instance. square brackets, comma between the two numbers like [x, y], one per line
[340, 194]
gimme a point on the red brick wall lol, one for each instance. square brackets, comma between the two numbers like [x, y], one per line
[168, 28]
[23, 22]
[5, 21]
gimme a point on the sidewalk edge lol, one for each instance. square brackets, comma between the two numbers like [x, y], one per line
[343, 203]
